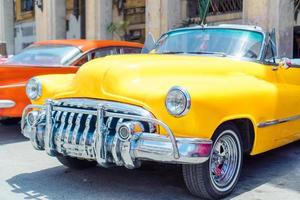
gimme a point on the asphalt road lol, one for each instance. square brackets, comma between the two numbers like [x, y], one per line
[29, 174]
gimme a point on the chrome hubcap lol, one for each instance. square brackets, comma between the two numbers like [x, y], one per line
[225, 161]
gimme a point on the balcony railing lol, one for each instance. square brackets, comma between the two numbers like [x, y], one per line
[216, 7]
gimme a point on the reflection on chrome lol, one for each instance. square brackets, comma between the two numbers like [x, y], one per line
[110, 133]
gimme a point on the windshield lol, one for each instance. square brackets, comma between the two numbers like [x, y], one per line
[231, 42]
[46, 55]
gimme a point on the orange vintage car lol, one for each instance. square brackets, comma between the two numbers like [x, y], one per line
[48, 57]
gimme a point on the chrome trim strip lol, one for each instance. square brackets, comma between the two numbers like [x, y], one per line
[76, 129]
[12, 86]
[84, 103]
[60, 133]
[62, 116]
[277, 121]
[7, 104]
[68, 135]
[74, 110]
[84, 136]
[100, 137]
[115, 149]
[49, 143]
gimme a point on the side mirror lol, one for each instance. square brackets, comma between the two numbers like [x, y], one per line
[149, 44]
[285, 63]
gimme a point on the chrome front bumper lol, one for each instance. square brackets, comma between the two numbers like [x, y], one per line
[7, 104]
[47, 130]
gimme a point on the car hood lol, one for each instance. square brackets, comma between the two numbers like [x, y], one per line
[11, 74]
[138, 79]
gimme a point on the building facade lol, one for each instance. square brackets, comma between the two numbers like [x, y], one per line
[23, 22]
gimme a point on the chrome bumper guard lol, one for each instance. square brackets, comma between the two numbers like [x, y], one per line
[128, 147]
[7, 104]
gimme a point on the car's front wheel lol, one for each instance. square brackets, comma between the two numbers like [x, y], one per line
[217, 177]
[75, 163]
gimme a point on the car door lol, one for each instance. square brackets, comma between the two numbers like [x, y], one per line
[287, 110]
[289, 99]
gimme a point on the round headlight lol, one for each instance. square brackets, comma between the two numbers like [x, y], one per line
[34, 89]
[178, 101]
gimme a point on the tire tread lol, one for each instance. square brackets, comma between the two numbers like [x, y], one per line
[197, 178]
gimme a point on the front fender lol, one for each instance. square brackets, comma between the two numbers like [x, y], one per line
[217, 100]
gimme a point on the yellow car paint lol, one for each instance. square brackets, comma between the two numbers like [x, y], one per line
[221, 89]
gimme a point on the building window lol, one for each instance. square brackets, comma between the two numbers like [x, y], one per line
[24, 10]
[27, 5]
[135, 14]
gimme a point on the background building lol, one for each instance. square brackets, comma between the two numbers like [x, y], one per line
[25, 21]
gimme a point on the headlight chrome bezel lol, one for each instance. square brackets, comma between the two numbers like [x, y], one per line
[38, 91]
[187, 99]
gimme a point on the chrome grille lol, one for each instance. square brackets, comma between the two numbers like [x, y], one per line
[76, 128]
[75, 124]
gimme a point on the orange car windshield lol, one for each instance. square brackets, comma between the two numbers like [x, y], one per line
[46, 55]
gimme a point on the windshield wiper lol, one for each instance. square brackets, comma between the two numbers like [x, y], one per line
[196, 52]
[172, 52]
[208, 52]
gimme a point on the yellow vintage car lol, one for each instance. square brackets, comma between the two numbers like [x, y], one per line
[203, 97]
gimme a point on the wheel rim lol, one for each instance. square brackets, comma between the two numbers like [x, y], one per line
[225, 161]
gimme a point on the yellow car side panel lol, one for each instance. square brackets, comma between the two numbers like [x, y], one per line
[221, 89]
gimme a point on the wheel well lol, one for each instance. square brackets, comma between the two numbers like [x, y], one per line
[246, 129]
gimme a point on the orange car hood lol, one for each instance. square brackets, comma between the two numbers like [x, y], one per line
[10, 74]
[13, 80]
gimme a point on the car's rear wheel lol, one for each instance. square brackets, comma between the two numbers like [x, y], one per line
[217, 177]
[75, 163]
[9, 121]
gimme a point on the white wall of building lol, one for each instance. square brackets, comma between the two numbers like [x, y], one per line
[51, 21]
[269, 14]
[162, 16]
[99, 15]
[6, 24]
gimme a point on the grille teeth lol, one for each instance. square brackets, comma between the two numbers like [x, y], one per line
[79, 129]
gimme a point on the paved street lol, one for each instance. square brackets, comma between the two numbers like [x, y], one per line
[29, 174]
